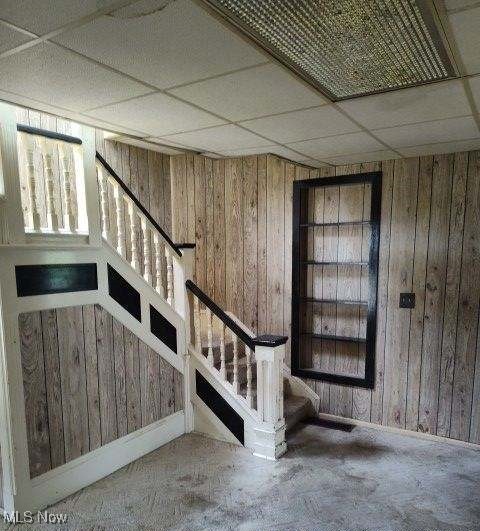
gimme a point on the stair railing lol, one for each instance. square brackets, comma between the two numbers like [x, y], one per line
[262, 357]
[130, 229]
[52, 182]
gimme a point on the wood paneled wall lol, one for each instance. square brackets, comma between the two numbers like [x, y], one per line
[88, 381]
[238, 211]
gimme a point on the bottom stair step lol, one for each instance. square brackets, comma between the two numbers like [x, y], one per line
[295, 408]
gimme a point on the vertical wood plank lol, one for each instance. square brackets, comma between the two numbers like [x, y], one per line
[418, 287]
[218, 258]
[250, 223]
[106, 375]
[53, 386]
[400, 280]
[36, 411]
[200, 223]
[71, 351]
[262, 243]
[234, 236]
[468, 307]
[179, 198]
[435, 292]
[275, 243]
[91, 370]
[119, 376]
[210, 228]
[452, 286]
[132, 381]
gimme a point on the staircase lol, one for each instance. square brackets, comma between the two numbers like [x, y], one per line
[76, 210]
[296, 407]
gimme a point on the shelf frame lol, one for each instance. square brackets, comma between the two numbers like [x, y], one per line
[300, 188]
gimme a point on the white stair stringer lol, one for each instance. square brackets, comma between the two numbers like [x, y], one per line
[262, 438]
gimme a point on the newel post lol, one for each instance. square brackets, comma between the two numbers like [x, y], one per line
[183, 271]
[270, 434]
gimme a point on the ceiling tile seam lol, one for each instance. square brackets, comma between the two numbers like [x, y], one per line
[364, 129]
[469, 115]
[457, 57]
[68, 26]
[442, 142]
[18, 29]
[218, 76]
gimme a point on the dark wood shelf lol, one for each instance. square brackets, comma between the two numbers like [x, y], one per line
[335, 338]
[333, 301]
[315, 262]
[337, 224]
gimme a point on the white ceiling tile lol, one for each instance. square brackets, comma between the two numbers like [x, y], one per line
[258, 91]
[429, 132]
[57, 77]
[156, 114]
[9, 38]
[179, 44]
[460, 4]
[337, 145]
[428, 102]
[465, 26]
[475, 86]
[218, 139]
[363, 157]
[43, 16]
[302, 125]
[443, 147]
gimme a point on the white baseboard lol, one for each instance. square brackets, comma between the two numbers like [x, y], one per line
[391, 429]
[63, 481]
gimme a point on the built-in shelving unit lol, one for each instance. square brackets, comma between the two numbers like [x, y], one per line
[336, 227]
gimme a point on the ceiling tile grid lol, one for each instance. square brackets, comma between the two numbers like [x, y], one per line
[176, 75]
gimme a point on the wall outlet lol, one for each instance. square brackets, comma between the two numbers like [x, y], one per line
[407, 300]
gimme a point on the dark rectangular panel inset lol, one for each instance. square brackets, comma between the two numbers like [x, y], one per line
[45, 279]
[232, 420]
[163, 329]
[122, 292]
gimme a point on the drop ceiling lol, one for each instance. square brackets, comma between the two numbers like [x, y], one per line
[172, 73]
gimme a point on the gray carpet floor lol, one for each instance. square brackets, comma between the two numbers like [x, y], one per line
[329, 480]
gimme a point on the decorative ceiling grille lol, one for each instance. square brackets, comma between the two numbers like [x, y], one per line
[346, 48]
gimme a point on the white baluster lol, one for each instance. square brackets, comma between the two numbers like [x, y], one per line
[197, 324]
[210, 337]
[168, 256]
[119, 219]
[33, 215]
[147, 273]
[235, 382]
[47, 156]
[133, 236]
[68, 217]
[104, 213]
[158, 265]
[248, 355]
[223, 369]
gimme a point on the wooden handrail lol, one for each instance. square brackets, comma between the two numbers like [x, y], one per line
[252, 342]
[140, 207]
[48, 134]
